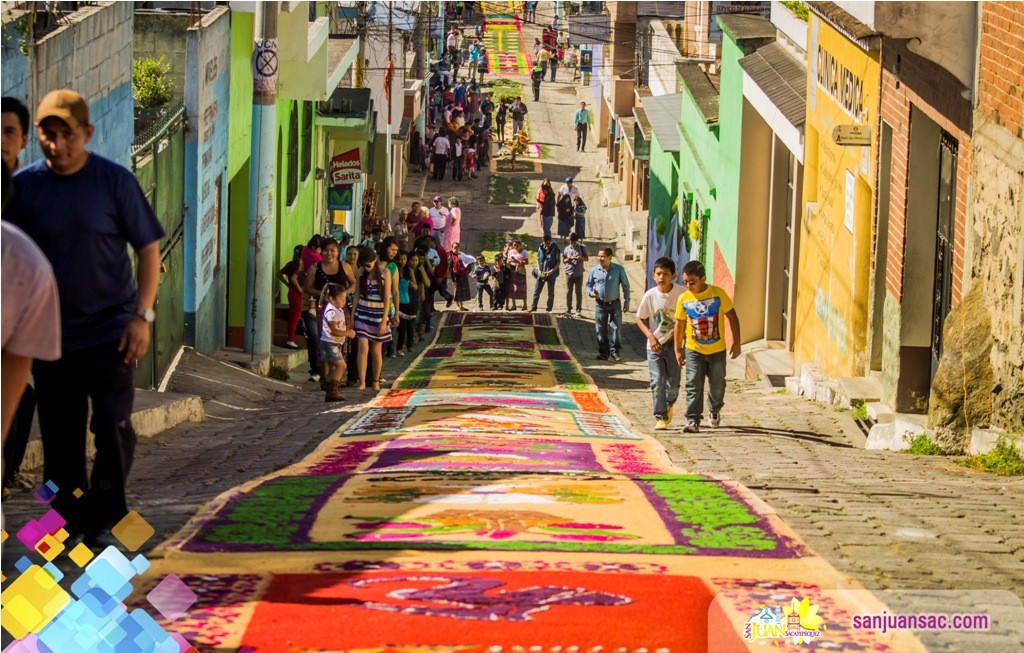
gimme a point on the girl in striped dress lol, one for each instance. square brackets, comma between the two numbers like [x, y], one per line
[371, 302]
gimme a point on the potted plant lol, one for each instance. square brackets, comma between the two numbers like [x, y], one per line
[152, 89]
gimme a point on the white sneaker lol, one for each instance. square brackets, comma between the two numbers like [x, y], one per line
[716, 420]
[314, 377]
[691, 427]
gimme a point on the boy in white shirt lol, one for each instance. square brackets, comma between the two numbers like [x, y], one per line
[656, 318]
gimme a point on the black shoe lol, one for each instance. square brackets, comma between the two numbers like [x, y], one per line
[602, 357]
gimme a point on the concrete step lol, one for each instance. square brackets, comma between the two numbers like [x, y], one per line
[858, 389]
[897, 434]
[770, 360]
[279, 356]
[154, 412]
[880, 413]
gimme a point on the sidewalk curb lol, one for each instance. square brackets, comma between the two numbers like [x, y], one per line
[155, 412]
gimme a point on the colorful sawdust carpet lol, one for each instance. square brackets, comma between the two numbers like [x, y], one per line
[503, 38]
[495, 498]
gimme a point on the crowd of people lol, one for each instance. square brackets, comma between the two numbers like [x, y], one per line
[460, 124]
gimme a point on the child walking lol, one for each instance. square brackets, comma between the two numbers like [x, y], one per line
[482, 272]
[498, 283]
[333, 332]
[698, 329]
[656, 318]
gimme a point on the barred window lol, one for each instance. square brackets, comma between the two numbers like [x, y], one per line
[307, 140]
[293, 155]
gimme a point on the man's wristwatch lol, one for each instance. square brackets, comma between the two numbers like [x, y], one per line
[146, 314]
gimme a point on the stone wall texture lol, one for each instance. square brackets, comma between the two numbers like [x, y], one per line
[997, 194]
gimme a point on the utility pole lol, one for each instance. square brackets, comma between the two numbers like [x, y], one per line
[259, 269]
[391, 57]
[420, 34]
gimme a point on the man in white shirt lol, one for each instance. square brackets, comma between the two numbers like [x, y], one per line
[439, 155]
[570, 189]
[452, 43]
[438, 218]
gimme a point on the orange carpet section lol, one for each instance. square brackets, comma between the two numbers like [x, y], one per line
[477, 611]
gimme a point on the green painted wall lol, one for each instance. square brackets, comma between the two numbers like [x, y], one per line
[664, 180]
[296, 221]
[239, 148]
[664, 237]
[238, 237]
[698, 165]
[723, 226]
[240, 129]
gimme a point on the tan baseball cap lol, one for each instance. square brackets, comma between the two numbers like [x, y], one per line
[65, 104]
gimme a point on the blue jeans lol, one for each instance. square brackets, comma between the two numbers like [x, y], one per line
[546, 222]
[665, 375]
[312, 324]
[550, 283]
[699, 367]
[607, 320]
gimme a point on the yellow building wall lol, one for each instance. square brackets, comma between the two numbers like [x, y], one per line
[839, 190]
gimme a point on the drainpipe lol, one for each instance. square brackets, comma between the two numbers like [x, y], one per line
[259, 268]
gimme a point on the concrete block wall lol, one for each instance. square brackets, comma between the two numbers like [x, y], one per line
[161, 34]
[91, 53]
[14, 64]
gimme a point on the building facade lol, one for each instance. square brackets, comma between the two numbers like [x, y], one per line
[833, 291]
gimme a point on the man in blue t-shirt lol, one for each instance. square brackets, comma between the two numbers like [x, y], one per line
[82, 210]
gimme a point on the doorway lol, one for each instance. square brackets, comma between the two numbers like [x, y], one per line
[942, 295]
[881, 257]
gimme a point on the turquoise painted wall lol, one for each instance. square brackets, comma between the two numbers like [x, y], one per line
[207, 105]
[664, 236]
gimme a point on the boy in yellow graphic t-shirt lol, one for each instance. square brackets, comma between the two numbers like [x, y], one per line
[700, 346]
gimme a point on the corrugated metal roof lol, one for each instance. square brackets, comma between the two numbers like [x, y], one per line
[642, 122]
[704, 93]
[782, 77]
[663, 113]
[743, 27]
[661, 9]
[843, 21]
[626, 125]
